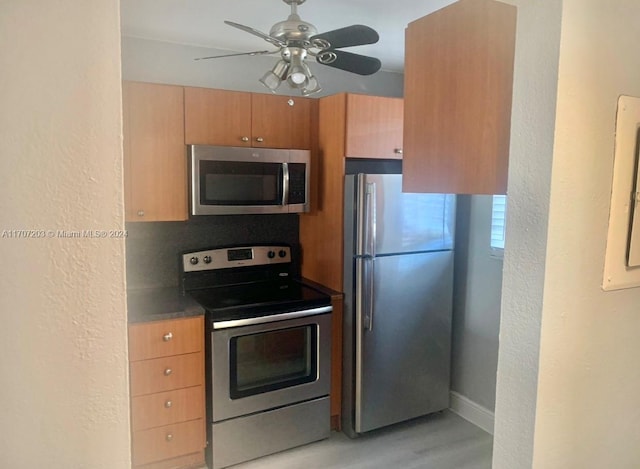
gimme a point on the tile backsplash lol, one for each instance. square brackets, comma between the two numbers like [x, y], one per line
[153, 248]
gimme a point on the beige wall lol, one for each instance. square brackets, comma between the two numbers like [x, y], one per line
[589, 387]
[63, 353]
[568, 383]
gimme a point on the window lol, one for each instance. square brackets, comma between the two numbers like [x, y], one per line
[498, 215]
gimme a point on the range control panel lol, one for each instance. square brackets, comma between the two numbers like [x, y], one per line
[243, 256]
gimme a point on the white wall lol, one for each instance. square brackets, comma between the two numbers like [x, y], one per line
[589, 387]
[568, 386]
[63, 353]
[164, 62]
[531, 152]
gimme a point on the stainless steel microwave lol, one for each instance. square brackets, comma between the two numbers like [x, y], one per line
[240, 180]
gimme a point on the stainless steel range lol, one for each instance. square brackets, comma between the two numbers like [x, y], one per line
[268, 351]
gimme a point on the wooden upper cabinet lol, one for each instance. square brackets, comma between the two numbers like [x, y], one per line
[154, 154]
[374, 127]
[458, 86]
[236, 118]
[217, 117]
[280, 121]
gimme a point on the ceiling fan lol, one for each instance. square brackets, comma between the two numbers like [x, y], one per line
[298, 40]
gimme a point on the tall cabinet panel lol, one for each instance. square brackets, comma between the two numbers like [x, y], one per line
[349, 126]
[458, 86]
[154, 155]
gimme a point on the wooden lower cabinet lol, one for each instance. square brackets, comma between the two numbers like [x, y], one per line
[167, 394]
[167, 442]
[163, 408]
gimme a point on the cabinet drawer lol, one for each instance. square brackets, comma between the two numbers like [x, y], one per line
[167, 442]
[164, 408]
[166, 373]
[163, 338]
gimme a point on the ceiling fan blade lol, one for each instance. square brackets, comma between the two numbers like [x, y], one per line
[255, 32]
[355, 35]
[258, 52]
[354, 63]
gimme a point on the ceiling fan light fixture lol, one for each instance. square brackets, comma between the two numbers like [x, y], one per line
[297, 75]
[312, 86]
[297, 78]
[273, 78]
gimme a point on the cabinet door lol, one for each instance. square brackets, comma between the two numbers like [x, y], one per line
[154, 152]
[458, 85]
[374, 127]
[280, 121]
[217, 117]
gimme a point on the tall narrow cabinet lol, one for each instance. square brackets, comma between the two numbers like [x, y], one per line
[155, 165]
[349, 126]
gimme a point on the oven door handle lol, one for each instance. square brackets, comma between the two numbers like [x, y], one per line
[271, 318]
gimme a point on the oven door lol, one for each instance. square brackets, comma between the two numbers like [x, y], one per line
[264, 366]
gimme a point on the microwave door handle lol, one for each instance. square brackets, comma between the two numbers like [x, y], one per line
[285, 184]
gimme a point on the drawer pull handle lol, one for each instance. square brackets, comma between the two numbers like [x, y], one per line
[398, 151]
[259, 139]
[167, 337]
[168, 404]
[169, 437]
[245, 139]
[168, 371]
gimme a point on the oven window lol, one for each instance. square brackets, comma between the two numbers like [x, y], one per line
[273, 360]
[240, 183]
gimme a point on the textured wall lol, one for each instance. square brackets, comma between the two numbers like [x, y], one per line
[588, 409]
[163, 62]
[63, 361]
[531, 152]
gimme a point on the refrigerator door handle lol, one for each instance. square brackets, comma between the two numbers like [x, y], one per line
[369, 289]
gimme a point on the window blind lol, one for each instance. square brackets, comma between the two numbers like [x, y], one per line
[498, 214]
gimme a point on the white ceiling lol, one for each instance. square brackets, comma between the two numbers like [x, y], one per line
[200, 22]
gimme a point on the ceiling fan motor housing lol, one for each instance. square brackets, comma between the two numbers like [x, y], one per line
[293, 29]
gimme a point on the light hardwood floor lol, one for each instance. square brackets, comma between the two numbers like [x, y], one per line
[440, 441]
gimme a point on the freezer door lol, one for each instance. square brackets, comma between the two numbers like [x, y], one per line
[403, 337]
[391, 221]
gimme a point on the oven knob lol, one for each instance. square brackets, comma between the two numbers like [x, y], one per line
[207, 259]
[193, 260]
[271, 254]
[282, 253]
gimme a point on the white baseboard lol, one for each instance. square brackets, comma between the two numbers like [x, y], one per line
[474, 413]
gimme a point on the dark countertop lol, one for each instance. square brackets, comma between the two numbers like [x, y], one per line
[155, 304]
[326, 290]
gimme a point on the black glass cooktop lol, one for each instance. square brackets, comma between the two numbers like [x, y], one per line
[250, 300]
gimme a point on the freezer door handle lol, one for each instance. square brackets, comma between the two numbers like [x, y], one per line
[370, 219]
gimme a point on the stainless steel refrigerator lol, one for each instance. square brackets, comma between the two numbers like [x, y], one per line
[398, 286]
